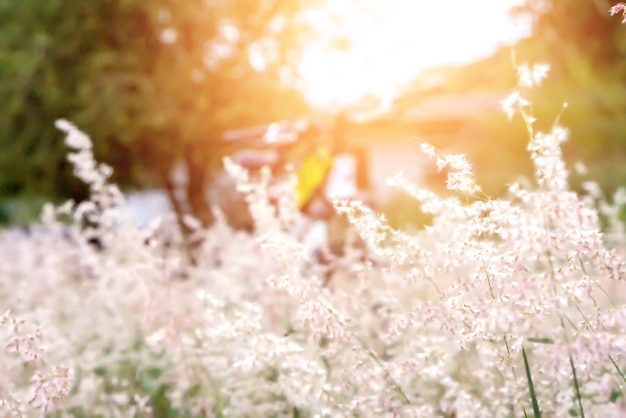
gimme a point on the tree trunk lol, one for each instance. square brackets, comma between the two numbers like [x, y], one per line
[179, 212]
[197, 185]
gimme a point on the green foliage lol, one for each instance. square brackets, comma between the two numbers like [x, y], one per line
[35, 88]
[20, 212]
[143, 77]
[571, 29]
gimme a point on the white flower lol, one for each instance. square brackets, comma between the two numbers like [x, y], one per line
[75, 138]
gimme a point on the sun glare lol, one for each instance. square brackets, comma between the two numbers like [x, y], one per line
[376, 46]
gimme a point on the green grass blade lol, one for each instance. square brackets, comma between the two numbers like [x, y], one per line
[580, 402]
[572, 324]
[617, 368]
[541, 340]
[531, 386]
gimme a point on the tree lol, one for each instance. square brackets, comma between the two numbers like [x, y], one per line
[577, 28]
[152, 81]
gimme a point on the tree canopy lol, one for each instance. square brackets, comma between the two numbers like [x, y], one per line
[583, 27]
[151, 81]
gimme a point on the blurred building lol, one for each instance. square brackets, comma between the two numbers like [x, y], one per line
[447, 121]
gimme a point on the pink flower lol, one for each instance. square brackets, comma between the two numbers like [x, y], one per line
[619, 8]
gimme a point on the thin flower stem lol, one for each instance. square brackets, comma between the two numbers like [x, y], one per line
[398, 388]
[618, 369]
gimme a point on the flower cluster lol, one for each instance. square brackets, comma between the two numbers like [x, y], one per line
[496, 307]
[619, 8]
[36, 385]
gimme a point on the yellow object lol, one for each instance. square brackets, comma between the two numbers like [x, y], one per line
[312, 174]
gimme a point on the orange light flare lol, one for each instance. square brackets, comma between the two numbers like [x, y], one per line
[369, 48]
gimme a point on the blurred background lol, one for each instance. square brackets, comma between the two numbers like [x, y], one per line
[158, 83]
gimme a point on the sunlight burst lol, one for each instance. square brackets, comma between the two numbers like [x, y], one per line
[374, 48]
